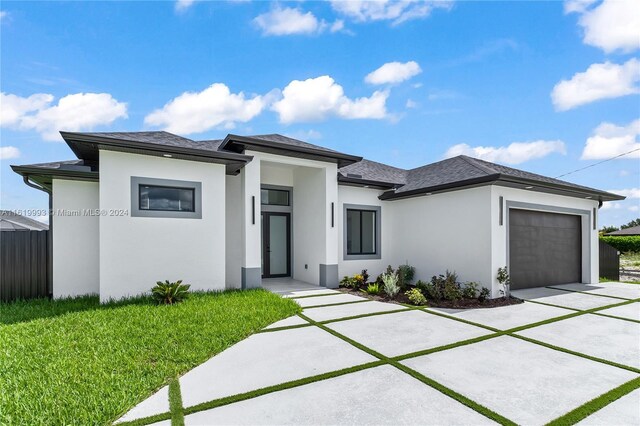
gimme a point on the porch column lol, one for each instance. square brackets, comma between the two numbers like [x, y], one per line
[329, 267]
[251, 274]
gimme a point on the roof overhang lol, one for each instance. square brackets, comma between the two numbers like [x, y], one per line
[239, 144]
[45, 176]
[351, 181]
[87, 147]
[507, 181]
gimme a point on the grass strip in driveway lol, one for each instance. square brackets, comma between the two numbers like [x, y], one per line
[336, 304]
[596, 404]
[580, 354]
[315, 295]
[590, 294]
[429, 382]
[215, 403]
[175, 403]
[91, 363]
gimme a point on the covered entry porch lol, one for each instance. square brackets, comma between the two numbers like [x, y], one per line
[286, 220]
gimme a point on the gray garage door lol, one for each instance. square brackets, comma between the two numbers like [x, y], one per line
[544, 249]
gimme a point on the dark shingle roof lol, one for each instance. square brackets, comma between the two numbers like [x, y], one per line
[291, 141]
[375, 172]
[160, 138]
[634, 230]
[450, 173]
[12, 221]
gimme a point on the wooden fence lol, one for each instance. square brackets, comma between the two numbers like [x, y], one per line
[609, 262]
[24, 265]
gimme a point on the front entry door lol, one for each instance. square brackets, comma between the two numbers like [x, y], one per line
[276, 244]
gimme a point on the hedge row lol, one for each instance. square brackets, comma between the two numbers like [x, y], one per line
[624, 244]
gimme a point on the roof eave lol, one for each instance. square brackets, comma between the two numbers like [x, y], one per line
[367, 182]
[587, 193]
[233, 161]
[341, 159]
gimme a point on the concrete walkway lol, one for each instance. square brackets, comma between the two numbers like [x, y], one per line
[348, 360]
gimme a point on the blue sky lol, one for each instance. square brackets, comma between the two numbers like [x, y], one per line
[548, 87]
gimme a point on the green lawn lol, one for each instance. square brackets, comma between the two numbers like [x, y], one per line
[78, 362]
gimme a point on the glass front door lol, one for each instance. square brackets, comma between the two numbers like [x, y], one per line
[276, 248]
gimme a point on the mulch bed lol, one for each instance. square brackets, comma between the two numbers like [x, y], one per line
[453, 304]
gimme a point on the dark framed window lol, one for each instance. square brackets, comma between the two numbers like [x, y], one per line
[274, 197]
[361, 232]
[166, 198]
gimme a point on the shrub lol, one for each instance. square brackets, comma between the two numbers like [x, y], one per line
[389, 270]
[416, 297]
[365, 276]
[352, 282]
[168, 293]
[390, 285]
[451, 291]
[484, 294]
[624, 244]
[372, 288]
[504, 279]
[405, 275]
[469, 290]
[429, 290]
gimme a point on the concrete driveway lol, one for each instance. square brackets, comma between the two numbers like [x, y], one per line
[348, 360]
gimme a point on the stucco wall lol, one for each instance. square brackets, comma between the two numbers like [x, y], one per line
[135, 252]
[544, 202]
[76, 260]
[309, 226]
[273, 174]
[233, 231]
[448, 231]
[365, 197]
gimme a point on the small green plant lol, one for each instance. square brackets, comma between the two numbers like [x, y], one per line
[416, 297]
[389, 270]
[352, 282]
[505, 280]
[390, 284]
[168, 293]
[406, 273]
[470, 290]
[372, 288]
[451, 291]
[429, 290]
[484, 294]
[365, 276]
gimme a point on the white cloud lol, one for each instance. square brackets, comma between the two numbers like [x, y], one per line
[195, 112]
[182, 5]
[287, 21]
[411, 104]
[393, 72]
[9, 152]
[579, 6]
[609, 140]
[634, 208]
[599, 81]
[609, 205]
[318, 98]
[396, 11]
[629, 193]
[611, 25]
[514, 153]
[76, 112]
[3, 15]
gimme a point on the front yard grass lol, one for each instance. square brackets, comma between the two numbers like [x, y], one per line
[78, 362]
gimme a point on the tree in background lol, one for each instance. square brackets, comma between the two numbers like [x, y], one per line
[607, 229]
[635, 222]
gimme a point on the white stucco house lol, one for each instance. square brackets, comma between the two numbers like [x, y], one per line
[139, 207]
